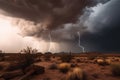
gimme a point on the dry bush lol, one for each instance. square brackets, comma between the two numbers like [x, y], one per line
[64, 67]
[66, 57]
[78, 60]
[116, 59]
[26, 57]
[115, 69]
[103, 62]
[38, 60]
[53, 66]
[47, 56]
[76, 74]
[2, 56]
[91, 57]
[73, 65]
[53, 56]
[25, 60]
[108, 61]
[38, 69]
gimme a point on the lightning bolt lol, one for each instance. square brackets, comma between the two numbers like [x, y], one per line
[49, 35]
[50, 44]
[83, 49]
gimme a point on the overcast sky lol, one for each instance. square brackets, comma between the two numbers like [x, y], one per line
[62, 25]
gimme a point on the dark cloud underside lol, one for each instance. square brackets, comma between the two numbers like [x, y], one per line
[52, 12]
[64, 18]
[107, 35]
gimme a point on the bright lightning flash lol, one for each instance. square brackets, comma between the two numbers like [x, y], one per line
[83, 49]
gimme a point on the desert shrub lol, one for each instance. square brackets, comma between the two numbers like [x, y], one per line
[104, 57]
[92, 57]
[27, 60]
[108, 61]
[76, 74]
[53, 56]
[53, 66]
[1, 56]
[47, 56]
[29, 50]
[115, 69]
[66, 57]
[38, 60]
[78, 60]
[38, 69]
[73, 65]
[116, 60]
[64, 67]
[103, 62]
[28, 57]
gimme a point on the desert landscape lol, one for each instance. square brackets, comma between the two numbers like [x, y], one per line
[59, 39]
[59, 66]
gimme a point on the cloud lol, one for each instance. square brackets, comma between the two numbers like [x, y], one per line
[103, 26]
[62, 18]
[51, 14]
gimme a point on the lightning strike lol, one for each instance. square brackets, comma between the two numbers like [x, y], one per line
[83, 49]
[51, 46]
[49, 35]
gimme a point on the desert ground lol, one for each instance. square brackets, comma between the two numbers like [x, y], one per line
[60, 66]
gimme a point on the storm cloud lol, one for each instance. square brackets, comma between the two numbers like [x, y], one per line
[103, 26]
[51, 14]
[94, 19]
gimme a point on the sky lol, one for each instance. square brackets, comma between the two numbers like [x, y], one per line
[60, 26]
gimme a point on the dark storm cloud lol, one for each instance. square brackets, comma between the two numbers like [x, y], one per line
[62, 18]
[51, 13]
[105, 29]
[68, 12]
